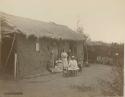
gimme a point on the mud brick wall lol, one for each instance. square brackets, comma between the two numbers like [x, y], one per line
[31, 62]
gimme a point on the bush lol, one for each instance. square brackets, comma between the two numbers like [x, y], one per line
[115, 88]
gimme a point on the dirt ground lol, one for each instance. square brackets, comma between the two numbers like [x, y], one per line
[86, 84]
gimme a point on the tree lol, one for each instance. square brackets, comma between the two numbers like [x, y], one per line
[80, 29]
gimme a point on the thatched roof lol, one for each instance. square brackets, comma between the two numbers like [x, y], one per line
[97, 43]
[41, 29]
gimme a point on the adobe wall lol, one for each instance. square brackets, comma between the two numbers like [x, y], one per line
[31, 62]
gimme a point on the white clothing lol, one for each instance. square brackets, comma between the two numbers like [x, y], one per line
[73, 65]
[59, 66]
[64, 55]
[65, 62]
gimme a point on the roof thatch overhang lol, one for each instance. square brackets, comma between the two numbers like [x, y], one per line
[40, 29]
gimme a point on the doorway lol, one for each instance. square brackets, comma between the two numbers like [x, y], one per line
[73, 48]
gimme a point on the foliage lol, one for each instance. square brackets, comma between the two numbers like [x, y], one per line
[115, 88]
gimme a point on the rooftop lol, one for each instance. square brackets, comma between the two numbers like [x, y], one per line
[41, 29]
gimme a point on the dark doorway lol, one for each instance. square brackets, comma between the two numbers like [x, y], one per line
[8, 46]
[73, 48]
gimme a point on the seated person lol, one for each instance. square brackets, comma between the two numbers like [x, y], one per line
[73, 66]
[59, 65]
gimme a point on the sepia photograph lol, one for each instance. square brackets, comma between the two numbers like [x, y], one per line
[62, 48]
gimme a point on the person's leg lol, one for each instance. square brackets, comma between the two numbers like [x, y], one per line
[81, 68]
[77, 72]
[64, 72]
[70, 73]
[73, 72]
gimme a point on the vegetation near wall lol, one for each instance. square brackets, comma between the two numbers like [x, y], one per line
[105, 50]
[115, 88]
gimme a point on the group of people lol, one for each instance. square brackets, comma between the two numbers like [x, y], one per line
[66, 64]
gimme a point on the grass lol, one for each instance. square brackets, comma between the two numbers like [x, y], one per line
[82, 88]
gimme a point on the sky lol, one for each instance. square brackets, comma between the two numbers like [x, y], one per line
[102, 20]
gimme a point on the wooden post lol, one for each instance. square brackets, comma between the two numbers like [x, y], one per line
[87, 59]
[0, 42]
[15, 65]
[83, 52]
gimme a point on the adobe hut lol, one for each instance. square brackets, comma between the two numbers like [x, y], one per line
[27, 44]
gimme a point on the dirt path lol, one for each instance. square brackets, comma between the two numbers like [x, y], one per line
[55, 85]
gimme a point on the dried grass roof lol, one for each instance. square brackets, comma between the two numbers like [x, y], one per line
[41, 29]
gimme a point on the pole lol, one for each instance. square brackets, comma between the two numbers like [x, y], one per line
[87, 59]
[15, 65]
[83, 51]
[0, 42]
[87, 53]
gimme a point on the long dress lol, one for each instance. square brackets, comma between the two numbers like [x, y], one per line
[64, 56]
[73, 65]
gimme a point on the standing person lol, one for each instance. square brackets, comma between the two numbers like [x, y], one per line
[64, 56]
[50, 64]
[52, 59]
[80, 64]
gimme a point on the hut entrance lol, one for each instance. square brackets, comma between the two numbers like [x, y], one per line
[8, 53]
[73, 48]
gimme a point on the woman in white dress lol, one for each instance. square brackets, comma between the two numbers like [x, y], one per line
[73, 66]
[64, 56]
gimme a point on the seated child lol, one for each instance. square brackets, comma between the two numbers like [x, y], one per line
[59, 65]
